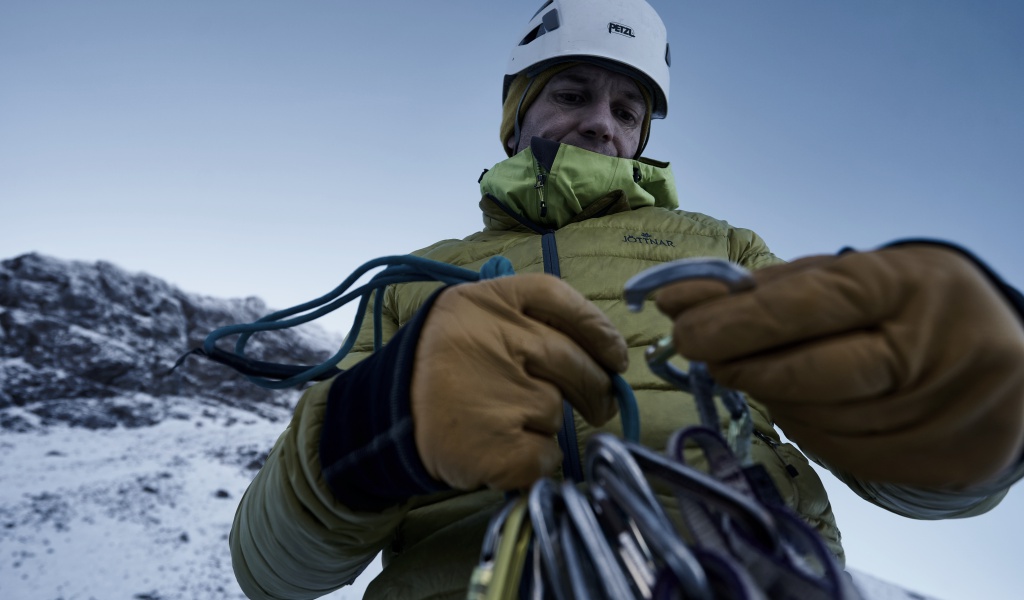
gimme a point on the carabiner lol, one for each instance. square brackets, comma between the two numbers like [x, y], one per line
[697, 381]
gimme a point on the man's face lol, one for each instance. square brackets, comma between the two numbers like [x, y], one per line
[589, 107]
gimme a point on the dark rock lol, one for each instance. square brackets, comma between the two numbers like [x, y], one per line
[75, 336]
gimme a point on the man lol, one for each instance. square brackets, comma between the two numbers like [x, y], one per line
[897, 368]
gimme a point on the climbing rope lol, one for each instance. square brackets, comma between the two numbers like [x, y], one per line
[397, 269]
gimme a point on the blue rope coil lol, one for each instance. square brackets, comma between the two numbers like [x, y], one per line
[397, 269]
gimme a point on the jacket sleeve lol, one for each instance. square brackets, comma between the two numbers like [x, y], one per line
[292, 537]
[925, 504]
[748, 250]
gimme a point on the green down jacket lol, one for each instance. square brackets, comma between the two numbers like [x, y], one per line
[594, 221]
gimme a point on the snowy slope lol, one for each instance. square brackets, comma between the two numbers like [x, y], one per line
[129, 513]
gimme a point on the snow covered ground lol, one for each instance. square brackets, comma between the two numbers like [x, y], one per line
[133, 514]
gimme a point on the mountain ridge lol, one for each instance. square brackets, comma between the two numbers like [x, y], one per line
[93, 332]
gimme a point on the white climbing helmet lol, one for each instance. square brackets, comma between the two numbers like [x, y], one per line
[622, 35]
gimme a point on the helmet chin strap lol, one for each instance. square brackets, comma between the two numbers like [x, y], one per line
[518, 131]
[643, 144]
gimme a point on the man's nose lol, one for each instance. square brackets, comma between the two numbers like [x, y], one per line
[598, 121]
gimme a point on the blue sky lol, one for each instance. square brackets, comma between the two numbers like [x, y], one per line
[263, 148]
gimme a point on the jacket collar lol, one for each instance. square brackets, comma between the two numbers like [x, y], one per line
[550, 185]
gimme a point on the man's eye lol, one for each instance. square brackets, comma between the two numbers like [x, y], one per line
[570, 97]
[626, 116]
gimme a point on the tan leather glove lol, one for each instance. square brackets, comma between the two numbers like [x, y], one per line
[903, 365]
[493, 362]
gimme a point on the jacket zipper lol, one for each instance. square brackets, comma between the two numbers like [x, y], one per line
[571, 465]
[539, 186]
[567, 439]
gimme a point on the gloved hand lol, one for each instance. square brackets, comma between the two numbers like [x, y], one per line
[903, 365]
[493, 362]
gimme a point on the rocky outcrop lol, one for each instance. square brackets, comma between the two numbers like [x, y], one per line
[93, 345]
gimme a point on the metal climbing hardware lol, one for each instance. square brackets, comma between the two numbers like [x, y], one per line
[697, 381]
[613, 537]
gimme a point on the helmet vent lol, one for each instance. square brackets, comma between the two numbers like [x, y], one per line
[549, 22]
[539, 10]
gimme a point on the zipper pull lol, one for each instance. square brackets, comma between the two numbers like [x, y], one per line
[790, 469]
[766, 439]
[539, 186]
